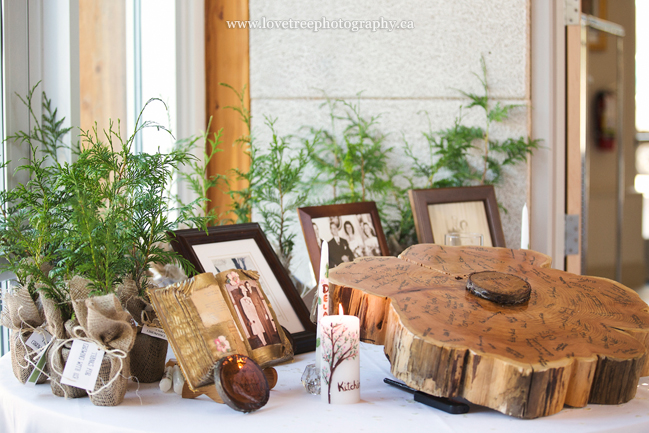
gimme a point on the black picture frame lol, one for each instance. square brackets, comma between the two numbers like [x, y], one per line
[185, 240]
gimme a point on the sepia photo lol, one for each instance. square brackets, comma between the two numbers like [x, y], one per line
[462, 217]
[253, 313]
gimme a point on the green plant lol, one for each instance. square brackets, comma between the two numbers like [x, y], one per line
[110, 212]
[448, 161]
[281, 191]
[243, 199]
[31, 217]
[151, 209]
[196, 175]
[353, 163]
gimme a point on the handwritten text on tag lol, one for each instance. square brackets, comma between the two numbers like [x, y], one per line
[83, 364]
[154, 332]
[38, 339]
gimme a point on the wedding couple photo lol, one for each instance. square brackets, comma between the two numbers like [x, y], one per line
[348, 237]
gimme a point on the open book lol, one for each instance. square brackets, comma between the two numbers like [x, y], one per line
[208, 317]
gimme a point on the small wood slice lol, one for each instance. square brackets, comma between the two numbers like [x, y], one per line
[271, 377]
[499, 287]
[241, 383]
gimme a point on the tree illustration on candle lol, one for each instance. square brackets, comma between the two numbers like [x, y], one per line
[340, 344]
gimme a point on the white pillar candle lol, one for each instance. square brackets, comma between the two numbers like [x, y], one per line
[323, 299]
[525, 229]
[340, 379]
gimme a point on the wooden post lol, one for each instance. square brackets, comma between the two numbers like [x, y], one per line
[226, 61]
[575, 134]
[102, 49]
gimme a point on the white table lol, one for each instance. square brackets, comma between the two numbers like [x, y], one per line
[290, 409]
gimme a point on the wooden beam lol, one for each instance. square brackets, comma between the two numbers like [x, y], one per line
[574, 133]
[226, 61]
[102, 50]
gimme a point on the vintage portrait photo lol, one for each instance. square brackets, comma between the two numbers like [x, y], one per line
[348, 237]
[253, 313]
[245, 255]
[462, 217]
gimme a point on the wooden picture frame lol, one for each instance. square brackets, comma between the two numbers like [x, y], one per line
[244, 246]
[425, 202]
[356, 215]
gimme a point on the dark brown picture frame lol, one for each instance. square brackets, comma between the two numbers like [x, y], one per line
[420, 199]
[307, 214]
[184, 240]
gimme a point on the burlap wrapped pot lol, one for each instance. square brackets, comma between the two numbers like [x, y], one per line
[104, 322]
[24, 317]
[57, 360]
[61, 329]
[148, 356]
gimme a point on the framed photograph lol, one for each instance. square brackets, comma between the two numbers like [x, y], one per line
[352, 230]
[463, 210]
[245, 247]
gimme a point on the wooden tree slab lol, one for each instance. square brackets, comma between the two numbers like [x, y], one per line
[577, 340]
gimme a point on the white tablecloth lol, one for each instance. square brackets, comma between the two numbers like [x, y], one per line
[290, 409]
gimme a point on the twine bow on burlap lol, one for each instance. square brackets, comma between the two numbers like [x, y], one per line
[103, 321]
[22, 315]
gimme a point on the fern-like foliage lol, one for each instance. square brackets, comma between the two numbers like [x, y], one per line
[281, 190]
[31, 219]
[119, 209]
[196, 176]
[352, 163]
[243, 199]
[150, 208]
[448, 161]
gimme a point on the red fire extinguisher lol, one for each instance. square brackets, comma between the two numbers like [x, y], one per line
[605, 120]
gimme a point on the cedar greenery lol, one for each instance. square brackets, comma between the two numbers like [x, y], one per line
[281, 191]
[119, 209]
[104, 216]
[354, 163]
[448, 161]
[32, 219]
[243, 199]
[195, 175]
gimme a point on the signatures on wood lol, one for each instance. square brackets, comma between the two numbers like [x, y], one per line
[566, 315]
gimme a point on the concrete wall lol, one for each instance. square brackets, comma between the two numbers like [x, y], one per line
[400, 73]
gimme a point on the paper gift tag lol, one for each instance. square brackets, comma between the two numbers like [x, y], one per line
[39, 339]
[83, 364]
[154, 332]
[41, 360]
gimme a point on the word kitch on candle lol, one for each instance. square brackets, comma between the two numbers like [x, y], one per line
[340, 362]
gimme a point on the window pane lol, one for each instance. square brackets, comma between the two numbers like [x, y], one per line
[158, 62]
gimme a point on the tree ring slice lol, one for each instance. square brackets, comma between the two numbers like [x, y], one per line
[499, 287]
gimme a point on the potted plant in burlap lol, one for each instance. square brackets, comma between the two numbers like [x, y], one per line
[22, 315]
[103, 321]
[30, 235]
[100, 220]
[119, 217]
